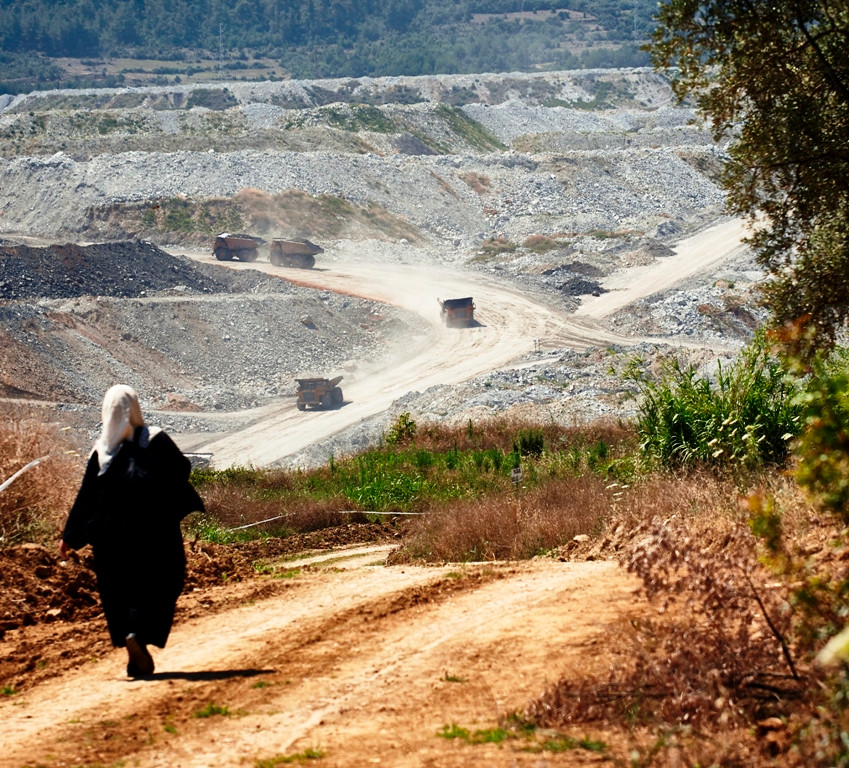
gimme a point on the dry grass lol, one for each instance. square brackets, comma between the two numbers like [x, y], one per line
[34, 506]
[501, 433]
[516, 527]
[231, 506]
[478, 183]
[717, 653]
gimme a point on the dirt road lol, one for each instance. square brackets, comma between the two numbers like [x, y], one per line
[509, 325]
[364, 662]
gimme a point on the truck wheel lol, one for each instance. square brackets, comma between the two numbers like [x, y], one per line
[302, 406]
[223, 254]
[248, 254]
[336, 395]
[275, 259]
[307, 262]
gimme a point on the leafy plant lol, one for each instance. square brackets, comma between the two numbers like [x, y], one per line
[213, 710]
[743, 419]
[823, 446]
[402, 431]
[529, 442]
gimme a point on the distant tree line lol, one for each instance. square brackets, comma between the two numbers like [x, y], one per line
[319, 38]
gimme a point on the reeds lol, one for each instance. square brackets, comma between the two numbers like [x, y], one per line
[33, 506]
[743, 419]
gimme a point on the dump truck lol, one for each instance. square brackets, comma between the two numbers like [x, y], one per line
[293, 253]
[319, 393]
[457, 312]
[242, 247]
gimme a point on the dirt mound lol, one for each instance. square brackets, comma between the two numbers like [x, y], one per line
[37, 587]
[127, 269]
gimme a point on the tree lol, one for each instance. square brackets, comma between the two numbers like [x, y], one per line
[774, 75]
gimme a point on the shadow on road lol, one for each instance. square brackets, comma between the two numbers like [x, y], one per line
[220, 674]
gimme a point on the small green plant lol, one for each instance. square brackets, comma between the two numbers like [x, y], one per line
[299, 757]
[453, 731]
[212, 710]
[8, 690]
[290, 574]
[483, 736]
[529, 442]
[469, 130]
[212, 531]
[453, 679]
[402, 431]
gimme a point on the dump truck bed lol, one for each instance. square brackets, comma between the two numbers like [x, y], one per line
[296, 246]
[240, 241]
[457, 312]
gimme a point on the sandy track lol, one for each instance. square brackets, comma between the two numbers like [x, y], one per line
[707, 248]
[366, 664]
[509, 325]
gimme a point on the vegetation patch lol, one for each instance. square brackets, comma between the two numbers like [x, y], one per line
[211, 98]
[213, 710]
[544, 243]
[495, 246]
[296, 757]
[524, 735]
[471, 131]
[287, 214]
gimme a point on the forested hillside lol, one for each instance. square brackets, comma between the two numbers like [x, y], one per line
[262, 39]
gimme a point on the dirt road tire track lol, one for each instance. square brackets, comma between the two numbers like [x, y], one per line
[367, 665]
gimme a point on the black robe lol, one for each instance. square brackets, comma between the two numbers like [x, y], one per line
[131, 516]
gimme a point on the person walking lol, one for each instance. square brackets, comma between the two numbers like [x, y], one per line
[133, 495]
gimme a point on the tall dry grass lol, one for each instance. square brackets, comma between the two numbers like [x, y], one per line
[501, 433]
[719, 650]
[34, 506]
[513, 526]
[230, 506]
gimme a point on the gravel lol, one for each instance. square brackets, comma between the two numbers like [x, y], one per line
[603, 163]
[190, 336]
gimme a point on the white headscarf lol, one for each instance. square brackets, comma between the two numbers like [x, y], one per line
[120, 415]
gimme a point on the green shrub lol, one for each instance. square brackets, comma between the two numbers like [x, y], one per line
[823, 447]
[529, 442]
[402, 431]
[743, 419]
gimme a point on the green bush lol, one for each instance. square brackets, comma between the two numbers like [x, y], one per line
[743, 419]
[529, 442]
[823, 446]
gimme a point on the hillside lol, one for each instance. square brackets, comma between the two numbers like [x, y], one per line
[80, 44]
[547, 184]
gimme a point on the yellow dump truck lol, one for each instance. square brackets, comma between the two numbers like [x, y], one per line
[293, 253]
[319, 393]
[457, 313]
[242, 247]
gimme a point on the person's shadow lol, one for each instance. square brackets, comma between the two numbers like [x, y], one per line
[221, 674]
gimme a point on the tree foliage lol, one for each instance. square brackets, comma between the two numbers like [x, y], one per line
[334, 38]
[775, 76]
